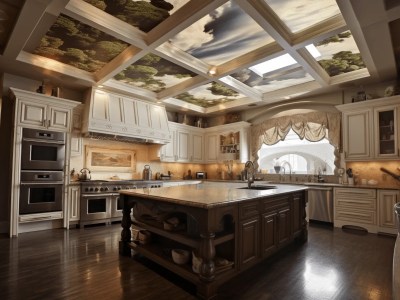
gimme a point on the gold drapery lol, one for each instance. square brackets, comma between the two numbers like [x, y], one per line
[311, 126]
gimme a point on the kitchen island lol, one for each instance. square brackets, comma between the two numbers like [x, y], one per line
[226, 228]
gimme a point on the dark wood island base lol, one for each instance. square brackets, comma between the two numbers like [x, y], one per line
[227, 236]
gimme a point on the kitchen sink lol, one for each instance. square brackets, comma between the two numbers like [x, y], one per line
[259, 187]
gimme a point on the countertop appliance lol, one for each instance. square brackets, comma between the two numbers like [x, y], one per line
[320, 204]
[100, 199]
[201, 175]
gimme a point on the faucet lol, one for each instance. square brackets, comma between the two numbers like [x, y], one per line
[249, 166]
[284, 170]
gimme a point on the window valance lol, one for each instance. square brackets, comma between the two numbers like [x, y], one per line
[311, 126]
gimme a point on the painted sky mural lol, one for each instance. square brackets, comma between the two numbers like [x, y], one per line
[145, 15]
[154, 73]
[299, 15]
[209, 95]
[74, 43]
[275, 81]
[339, 54]
[221, 36]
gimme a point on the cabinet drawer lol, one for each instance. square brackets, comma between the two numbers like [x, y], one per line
[359, 216]
[248, 210]
[357, 203]
[271, 204]
[351, 193]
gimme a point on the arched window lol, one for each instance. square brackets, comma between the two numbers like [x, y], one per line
[320, 150]
[302, 156]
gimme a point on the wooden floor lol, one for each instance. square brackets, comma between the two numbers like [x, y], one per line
[84, 264]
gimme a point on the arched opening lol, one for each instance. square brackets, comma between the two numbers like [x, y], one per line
[304, 157]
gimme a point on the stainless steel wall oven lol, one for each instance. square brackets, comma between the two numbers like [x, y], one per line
[42, 150]
[42, 171]
[41, 191]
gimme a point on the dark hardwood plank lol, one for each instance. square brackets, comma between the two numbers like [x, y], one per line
[84, 264]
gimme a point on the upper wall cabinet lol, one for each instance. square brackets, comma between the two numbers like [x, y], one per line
[113, 114]
[187, 145]
[370, 129]
[228, 142]
[36, 110]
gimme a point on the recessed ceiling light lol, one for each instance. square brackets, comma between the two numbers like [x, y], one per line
[100, 86]
[212, 71]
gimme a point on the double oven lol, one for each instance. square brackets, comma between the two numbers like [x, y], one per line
[100, 201]
[42, 171]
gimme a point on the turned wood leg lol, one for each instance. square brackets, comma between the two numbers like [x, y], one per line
[207, 253]
[124, 249]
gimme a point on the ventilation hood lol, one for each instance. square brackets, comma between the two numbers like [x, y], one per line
[121, 138]
[111, 116]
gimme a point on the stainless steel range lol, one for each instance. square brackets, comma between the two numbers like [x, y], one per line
[100, 199]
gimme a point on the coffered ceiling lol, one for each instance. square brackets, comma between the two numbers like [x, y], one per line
[202, 56]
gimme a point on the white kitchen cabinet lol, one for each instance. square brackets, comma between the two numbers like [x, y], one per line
[228, 142]
[387, 218]
[187, 145]
[385, 134]
[212, 147]
[370, 129]
[114, 114]
[36, 110]
[76, 136]
[355, 207]
[358, 134]
[74, 199]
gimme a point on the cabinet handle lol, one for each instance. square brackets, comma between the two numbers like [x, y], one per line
[48, 123]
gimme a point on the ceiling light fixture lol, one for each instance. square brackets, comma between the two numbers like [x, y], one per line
[212, 71]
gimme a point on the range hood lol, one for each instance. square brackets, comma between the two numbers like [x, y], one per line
[110, 116]
[121, 138]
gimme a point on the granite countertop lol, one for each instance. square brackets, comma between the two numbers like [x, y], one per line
[311, 184]
[207, 195]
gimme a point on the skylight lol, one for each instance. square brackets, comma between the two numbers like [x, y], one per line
[281, 62]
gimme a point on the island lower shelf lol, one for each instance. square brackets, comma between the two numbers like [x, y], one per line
[242, 233]
[153, 253]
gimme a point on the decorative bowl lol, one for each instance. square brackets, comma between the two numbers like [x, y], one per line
[180, 256]
[144, 237]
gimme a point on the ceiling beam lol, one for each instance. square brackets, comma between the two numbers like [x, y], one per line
[29, 17]
[119, 63]
[96, 18]
[50, 64]
[240, 87]
[182, 87]
[368, 23]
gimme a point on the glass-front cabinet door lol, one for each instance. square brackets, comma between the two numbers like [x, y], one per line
[386, 132]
